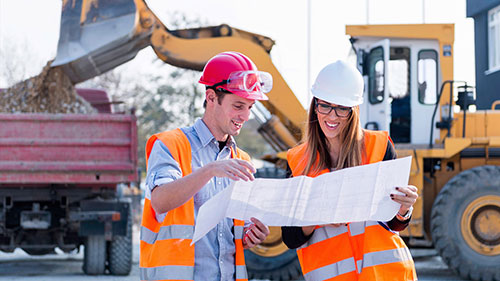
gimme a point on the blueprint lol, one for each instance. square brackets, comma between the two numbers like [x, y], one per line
[360, 193]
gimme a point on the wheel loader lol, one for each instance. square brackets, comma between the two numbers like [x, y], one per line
[409, 91]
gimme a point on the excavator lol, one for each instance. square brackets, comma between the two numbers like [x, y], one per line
[409, 91]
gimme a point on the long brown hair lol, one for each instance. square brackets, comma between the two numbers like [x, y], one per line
[317, 151]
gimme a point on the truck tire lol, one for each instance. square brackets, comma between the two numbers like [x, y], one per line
[120, 251]
[94, 255]
[465, 223]
[272, 259]
[39, 252]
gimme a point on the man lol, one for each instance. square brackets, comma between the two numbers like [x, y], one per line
[188, 166]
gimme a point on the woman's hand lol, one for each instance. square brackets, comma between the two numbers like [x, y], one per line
[308, 229]
[407, 199]
[336, 224]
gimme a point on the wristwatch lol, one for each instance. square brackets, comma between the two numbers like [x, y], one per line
[405, 216]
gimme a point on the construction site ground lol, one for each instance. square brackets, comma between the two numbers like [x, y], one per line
[20, 266]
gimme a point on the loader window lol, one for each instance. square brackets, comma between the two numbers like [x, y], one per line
[376, 75]
[399, 94]
[399, 80]
[494, 39]
[427, 76]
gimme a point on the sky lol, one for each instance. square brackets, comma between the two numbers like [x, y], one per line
[29, 29]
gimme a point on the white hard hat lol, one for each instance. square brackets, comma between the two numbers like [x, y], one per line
[339, 83]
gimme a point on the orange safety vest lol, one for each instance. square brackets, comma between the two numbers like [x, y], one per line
[361, 250]
[166, 253]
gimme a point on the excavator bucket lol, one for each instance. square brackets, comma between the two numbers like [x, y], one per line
[98, 35]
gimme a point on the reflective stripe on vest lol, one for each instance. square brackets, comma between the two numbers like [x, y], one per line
[332, 270]
[168, 272]
[167, 232]
[383, 257]
[238, 231]
[361, 250]
[241, 272]
[324, 233]
[166, 253]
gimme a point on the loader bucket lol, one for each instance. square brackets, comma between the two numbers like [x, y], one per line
[96, 36]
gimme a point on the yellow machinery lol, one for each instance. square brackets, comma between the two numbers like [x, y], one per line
[456, 160]
[456, 153]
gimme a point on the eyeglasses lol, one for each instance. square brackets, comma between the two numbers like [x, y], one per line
[340, 111]
[248, 81]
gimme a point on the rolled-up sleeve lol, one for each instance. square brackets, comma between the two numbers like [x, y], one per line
[162, 168]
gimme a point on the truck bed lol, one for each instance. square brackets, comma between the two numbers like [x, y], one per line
[41, 149]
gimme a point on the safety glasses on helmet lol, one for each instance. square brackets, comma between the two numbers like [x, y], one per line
[248, 81]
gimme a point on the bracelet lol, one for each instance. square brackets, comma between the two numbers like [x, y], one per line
[405, 216]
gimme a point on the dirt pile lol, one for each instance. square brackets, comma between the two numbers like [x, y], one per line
[51, 91]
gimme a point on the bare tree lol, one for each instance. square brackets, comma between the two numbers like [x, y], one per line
[17, 62]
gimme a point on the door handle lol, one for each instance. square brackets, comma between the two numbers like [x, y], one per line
[371, 126]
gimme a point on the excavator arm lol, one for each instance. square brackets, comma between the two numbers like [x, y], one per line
[98, 35]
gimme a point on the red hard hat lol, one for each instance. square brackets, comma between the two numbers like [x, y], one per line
[218, 70]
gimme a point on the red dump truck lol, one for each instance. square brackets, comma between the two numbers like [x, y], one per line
[59, 179]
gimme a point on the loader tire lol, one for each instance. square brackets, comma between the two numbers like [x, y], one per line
[272, 260]
[465, 223]
[120, 251]
[94, 255]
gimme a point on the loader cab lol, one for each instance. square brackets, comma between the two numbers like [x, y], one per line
[401, 86]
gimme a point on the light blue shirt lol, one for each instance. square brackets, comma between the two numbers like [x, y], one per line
[214, 253]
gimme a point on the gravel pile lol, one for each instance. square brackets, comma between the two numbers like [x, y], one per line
[49, 92]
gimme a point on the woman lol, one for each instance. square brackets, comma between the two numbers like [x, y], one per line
[335, 140]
